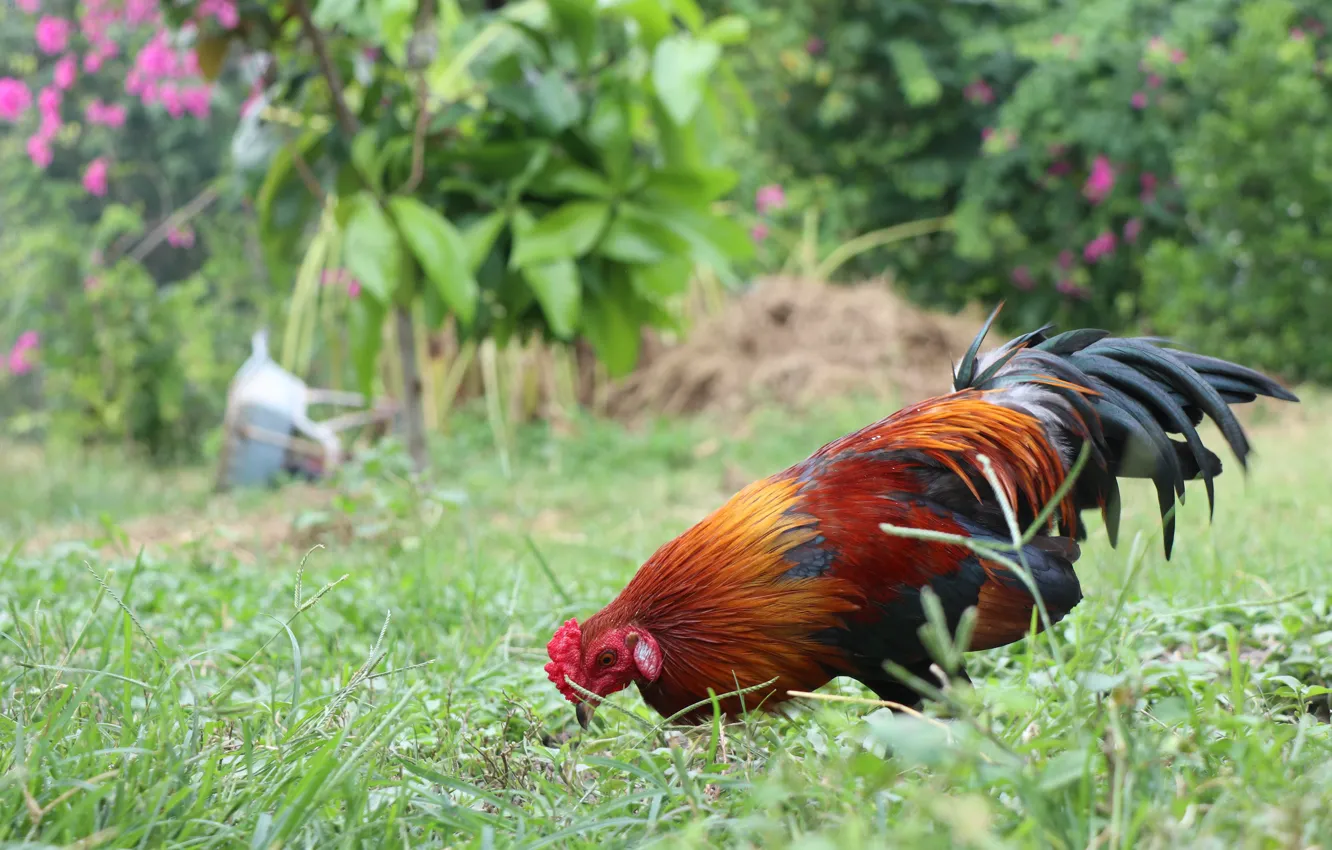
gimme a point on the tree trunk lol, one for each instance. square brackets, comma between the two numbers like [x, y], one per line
[413, 415]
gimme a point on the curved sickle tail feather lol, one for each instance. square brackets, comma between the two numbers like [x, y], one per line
[1127, 396]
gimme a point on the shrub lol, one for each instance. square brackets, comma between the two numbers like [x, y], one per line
[1251, 277]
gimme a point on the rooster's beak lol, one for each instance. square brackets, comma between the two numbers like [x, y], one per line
[584, 713]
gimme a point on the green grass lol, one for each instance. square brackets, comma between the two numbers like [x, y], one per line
[201, 700]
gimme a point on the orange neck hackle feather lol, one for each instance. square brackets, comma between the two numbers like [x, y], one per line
[716, 601]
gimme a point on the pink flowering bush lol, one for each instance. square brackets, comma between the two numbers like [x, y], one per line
[1064, 221]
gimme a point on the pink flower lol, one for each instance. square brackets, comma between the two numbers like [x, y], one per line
[354, 288]
[1132, 229]
[39, 151]
[177, 238]
[1153, 81]
[28, 7]
[1177, 56]
[92, 283]
[814, 46]
[18, 355]
[15, 99]
[769, 198]
[65, 72]
[52, 35]
[1139, 100]
[1022, 278]
[1148, 182]
[1065, 260]
[758, 232]
[1103, 245]
[95, 177]
[171, 100]
[48, 101]
[1100, 181]
[105, 114]
[197, 100]
[979, 92]
[1296, 34]
[1070, 289]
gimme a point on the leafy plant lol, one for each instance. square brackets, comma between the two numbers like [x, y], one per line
[550, 172]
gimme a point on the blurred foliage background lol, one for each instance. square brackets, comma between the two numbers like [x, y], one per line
[449, 201]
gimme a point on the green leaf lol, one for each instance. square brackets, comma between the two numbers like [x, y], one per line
[366, 324]
[372, 248]
[728, 30]
[633, 237]
[651, 16]
[661, 281]
[442, 253]
[556, 104]
[696, 186]
[570, 178]
[397, 21]
[559, 292]
[680, 68]
[577, 20]
[917, 81]
[365, 155]
[566, 233]
[713, 240]
[613, 330]
[480, 236]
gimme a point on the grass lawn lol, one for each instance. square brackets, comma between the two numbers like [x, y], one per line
[209, 694]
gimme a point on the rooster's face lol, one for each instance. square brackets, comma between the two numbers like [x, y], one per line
[602, 664]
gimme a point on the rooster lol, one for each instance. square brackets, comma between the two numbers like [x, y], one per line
[794, 581]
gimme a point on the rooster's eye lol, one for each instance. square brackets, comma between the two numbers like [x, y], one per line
[607, 657]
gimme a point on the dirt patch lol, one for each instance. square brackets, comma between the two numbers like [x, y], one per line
[792, 343]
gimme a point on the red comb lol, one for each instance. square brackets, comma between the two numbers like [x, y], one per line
[566, 658]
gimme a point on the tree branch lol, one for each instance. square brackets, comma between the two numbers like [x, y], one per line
[346, 120]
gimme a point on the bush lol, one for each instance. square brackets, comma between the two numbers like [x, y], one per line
[122, 358]
[1101, 159]
[1252, 276]
[873, 112]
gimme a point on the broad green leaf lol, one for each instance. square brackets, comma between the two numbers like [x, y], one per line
[366, 325]
[713, 241]
[577, 20]
[635, 238]
[917, 81]
[727, 30]
[372, 248]
[556, 104]
[695, 186]
[613, 330]
[557, 288]
[664, 280]
[609, 129]
[442, 253]
[565, 233]
[570, 178]
[397, 20]
[365, 155]
[652, 16]
[480, 236]
[680, 68]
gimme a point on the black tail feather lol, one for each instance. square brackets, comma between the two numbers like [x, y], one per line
[1143, 394]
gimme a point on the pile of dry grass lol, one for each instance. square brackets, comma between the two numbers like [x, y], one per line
[793, 343]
